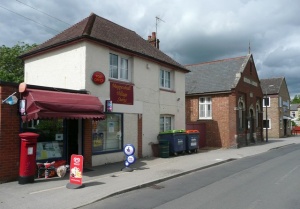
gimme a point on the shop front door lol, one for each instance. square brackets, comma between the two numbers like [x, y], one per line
[72, 138]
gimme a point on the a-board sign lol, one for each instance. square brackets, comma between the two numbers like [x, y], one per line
[76, 168]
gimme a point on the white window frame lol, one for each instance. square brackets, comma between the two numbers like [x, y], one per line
[207, 108]
[163, 122]
[270, 124]
[123, 73]
[268, 98]
[165, 79]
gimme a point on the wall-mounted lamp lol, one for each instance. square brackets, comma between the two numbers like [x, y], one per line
[178, 99]
[147, 66]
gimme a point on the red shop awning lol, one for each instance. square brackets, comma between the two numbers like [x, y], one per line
[42, 104]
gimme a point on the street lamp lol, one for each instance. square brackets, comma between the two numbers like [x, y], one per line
[267, 125]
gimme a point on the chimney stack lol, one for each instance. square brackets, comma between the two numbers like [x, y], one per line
[153, 41]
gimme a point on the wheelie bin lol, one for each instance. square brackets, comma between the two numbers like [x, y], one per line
[176, 139]
[163, 146]
[192, 140]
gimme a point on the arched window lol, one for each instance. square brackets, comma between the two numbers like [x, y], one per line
[241, 116]
[257, 113]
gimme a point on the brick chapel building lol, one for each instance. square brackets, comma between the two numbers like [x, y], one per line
[226, 96]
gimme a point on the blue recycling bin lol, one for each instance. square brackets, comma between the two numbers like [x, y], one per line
[176, 139]
[192, 140]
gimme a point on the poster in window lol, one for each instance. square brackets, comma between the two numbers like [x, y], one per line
[98, 141]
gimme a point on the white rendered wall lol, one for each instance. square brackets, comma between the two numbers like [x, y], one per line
[62, 68]
[72, 68]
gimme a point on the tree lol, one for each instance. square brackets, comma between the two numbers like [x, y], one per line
[296, 99]
[11, 66]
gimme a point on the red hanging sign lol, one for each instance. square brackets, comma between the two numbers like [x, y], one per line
[76, 169]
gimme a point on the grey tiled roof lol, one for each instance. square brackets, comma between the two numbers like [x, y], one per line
[294, 107]
[215, 76]
[271, 85]
[108, 33]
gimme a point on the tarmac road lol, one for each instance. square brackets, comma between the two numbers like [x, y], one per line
[259, 181]
[109, 180]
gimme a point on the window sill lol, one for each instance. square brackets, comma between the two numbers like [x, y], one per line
[167, 90]
[205, 119]
[120, 81]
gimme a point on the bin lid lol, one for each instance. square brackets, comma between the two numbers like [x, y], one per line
[192, 131]
[172, 131]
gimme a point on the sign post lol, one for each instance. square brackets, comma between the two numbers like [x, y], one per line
[76, 170]
[130, 158]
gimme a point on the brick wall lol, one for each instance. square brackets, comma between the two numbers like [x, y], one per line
[140, 136]
[276, 113]
[222, 130]
[87, 143]
[9, 136]
[218, 129]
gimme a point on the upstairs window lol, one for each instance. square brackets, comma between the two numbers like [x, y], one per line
[119, 67]
[266, 102]
[165, 79]
[205, 108]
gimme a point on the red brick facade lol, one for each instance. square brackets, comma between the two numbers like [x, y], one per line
[223, 129]
[9, 136]
[140, 136]
[87, 143]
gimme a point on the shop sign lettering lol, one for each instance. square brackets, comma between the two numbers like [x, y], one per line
[121, 93]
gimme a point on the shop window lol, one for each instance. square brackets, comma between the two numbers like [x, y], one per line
[108, 134]
[50, 143]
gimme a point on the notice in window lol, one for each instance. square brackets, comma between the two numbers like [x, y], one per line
[111, 127]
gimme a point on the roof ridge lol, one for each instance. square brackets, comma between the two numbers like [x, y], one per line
[215, 61]
[113, 23]
[89, 25]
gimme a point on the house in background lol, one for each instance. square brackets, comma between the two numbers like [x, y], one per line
[295, 113]
[141, 87]
[226, 96]
[276, 107]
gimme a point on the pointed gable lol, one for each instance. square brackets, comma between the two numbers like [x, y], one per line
[215, 76]
[107, 33]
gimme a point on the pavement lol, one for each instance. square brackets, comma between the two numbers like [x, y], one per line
[111, 179]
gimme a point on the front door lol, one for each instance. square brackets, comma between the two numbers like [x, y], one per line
[251, 126]
[72, 138]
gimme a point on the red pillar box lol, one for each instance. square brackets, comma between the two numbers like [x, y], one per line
[27, 157]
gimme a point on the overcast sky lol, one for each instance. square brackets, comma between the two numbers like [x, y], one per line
[190, 31]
